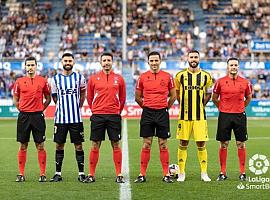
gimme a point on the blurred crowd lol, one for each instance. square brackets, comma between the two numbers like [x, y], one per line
[159, 25]
[23, 29]
[96, 19]
[231, 29]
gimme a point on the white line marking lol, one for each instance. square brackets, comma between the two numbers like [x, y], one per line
[125, 190]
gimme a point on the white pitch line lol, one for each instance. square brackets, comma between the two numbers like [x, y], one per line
[125, 189]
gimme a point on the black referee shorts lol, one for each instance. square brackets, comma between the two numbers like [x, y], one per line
[100, 123]
[31, 121]
[232, 121]
[155, 122]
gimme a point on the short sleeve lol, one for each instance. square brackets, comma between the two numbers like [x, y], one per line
[209, 83]
[177, 82]
[171, 82]
[139, 84]
[16, 88]
[248, 90]
[53, 86]
[46, 88]
[83, 83]
[217, 87]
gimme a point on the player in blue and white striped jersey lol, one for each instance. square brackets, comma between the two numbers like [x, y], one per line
[68, 93]
[67, 90]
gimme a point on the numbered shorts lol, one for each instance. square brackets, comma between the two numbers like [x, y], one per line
[31, 121]
[76, 133]
[100, 123]
[232, 121]
[198, 128]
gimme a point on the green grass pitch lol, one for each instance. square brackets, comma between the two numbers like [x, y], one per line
[106, 188]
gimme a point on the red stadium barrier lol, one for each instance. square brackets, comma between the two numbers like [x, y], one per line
[130, 111]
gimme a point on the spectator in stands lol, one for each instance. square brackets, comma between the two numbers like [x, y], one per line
[136, 75]
[24, 22]
[150, 28]
[265, 94]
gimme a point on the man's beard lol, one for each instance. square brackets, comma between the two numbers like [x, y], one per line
[193, 66]
[68, 67]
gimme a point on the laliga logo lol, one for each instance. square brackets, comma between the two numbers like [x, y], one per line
[258, 164]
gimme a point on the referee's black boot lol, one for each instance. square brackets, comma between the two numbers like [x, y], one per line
[42, 178]
[221, 177]
[140, 179]
[20, 178]
[119, 179]
[89, 179]
[167, 179]
[243, 177]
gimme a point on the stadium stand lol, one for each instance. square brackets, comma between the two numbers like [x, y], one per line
[23, 28]
[92, 27]
[231, 25]
[162, 25]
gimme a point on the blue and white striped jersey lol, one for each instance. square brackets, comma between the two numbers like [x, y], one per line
[67, 89]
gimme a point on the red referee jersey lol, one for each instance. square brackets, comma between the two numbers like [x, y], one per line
[232, 93]
[155, 88]
[30, 92]
[106, 94]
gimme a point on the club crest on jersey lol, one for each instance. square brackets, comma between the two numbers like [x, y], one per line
[162, 83]
[115, 81]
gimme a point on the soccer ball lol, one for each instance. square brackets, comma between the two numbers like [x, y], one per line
[174, 170]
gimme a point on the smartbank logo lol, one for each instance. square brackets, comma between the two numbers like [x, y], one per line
[258, 164]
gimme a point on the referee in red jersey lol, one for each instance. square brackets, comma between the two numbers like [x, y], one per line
[231, 95]
[152, 91]
[28, 98]
[106, 96]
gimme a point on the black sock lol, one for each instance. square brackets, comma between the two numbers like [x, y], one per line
[59, 156]
[80, 160]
